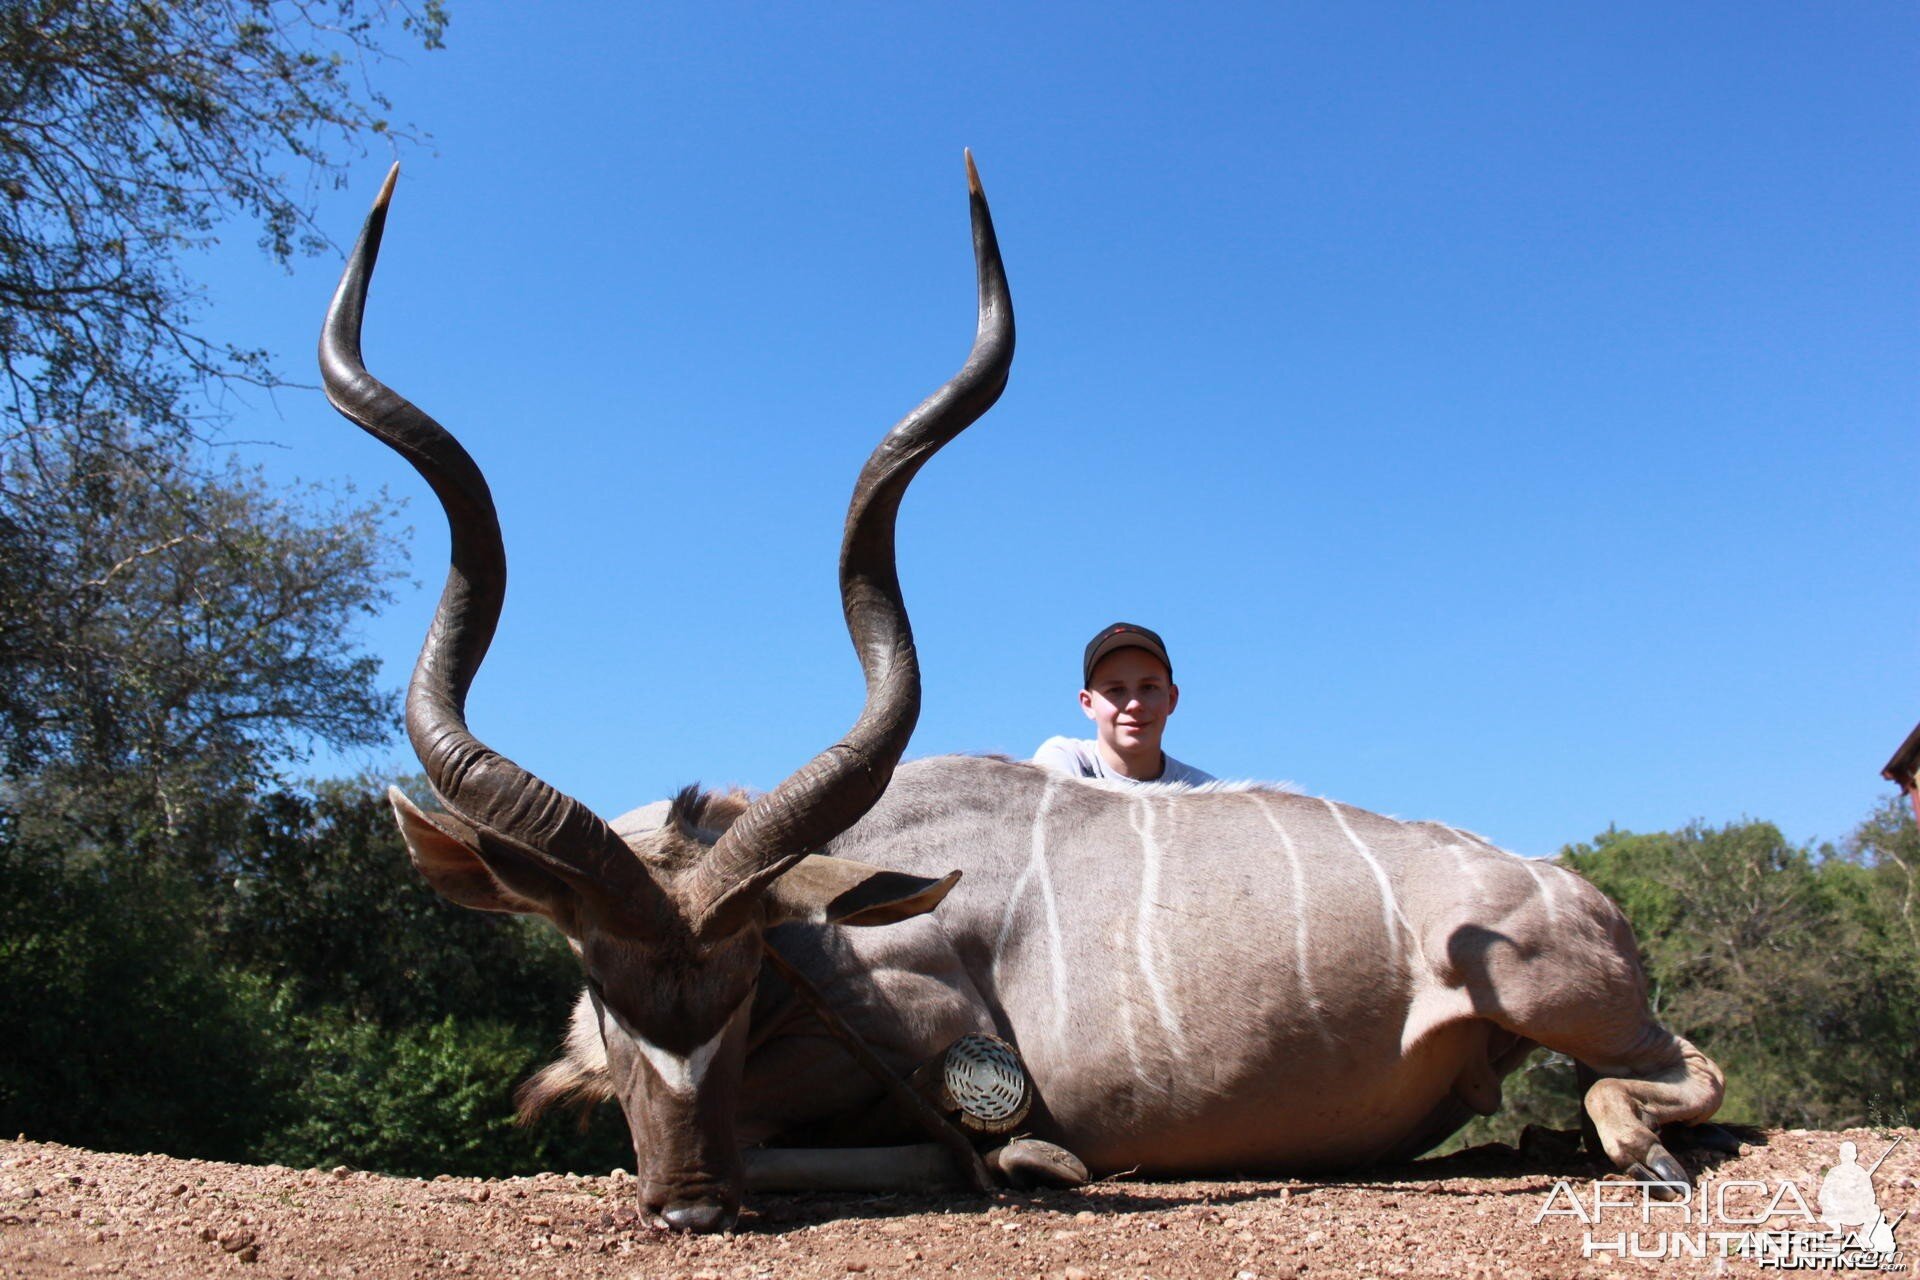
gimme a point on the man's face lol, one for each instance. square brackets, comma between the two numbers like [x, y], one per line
[1128, 700]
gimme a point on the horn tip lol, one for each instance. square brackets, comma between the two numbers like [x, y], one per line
[973, 174]
[386, 188]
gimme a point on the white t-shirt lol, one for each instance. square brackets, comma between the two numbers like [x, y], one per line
[1080, 758]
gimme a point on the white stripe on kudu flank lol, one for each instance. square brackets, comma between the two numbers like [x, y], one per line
[1389, 905]
[1300, 913]
[1143, 927]
[1463, 861]
[1037, 866]
[1465, 864]
[1533, 872]
[1546, 894]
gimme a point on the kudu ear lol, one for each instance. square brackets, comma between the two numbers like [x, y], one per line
[823, 890]
[450, 858]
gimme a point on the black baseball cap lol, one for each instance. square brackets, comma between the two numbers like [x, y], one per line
[1122, 635]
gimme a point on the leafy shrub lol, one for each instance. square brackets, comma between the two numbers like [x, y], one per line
[120, 1030]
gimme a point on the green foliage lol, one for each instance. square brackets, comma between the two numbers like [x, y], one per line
[425, 1099]
[244, 1018]
[121, 1030]
[320, 889]
[174, 636]
[128, 133]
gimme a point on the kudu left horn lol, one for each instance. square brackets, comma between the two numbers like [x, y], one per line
[668, 925]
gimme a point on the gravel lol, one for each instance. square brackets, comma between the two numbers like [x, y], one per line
[69, 1212]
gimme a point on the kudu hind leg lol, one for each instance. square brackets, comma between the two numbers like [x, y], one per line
[1673, 1083]
[1577, 989]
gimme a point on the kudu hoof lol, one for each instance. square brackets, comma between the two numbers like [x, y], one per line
[1026, 1163]
[1662, 1168]
[698, 1219]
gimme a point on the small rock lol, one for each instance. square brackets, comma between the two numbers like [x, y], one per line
[481, 1194]
[1086, 1215]
[856, 1266]
[1075, 1273]
[249, 1253]
[341, 1171]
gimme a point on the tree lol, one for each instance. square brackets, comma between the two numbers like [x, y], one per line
[170, 630]
[129, 130]
[319, 892]
[1789, 964]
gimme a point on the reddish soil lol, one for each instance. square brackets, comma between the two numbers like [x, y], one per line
[67, 1212]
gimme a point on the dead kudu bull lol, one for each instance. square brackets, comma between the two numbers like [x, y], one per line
[1225, 980]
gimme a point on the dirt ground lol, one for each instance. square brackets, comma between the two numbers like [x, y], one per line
[66, 1212]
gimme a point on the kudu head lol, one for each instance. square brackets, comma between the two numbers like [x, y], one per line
[667, 925]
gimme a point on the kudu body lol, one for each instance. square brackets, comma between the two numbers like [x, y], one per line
[1229, 979]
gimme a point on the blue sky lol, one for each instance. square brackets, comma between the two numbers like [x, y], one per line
[1506, 412]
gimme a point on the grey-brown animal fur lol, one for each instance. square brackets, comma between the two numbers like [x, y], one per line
[1223, 980]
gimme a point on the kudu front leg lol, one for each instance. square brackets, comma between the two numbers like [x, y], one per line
[923, 1168]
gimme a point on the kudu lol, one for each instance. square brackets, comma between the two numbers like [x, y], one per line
[1229, 979]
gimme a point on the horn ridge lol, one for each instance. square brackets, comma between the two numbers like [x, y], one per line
[837, 787]
[477, 783]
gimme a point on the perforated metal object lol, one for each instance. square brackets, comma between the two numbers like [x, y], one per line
[982, 1079]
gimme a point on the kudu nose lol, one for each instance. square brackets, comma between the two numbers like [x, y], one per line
[704, 1218]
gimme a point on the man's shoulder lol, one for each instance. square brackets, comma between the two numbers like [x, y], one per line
[1068, 755]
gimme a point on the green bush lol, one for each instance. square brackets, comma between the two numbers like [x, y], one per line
[422, 1100]
[121, 1031]
[280, 1012]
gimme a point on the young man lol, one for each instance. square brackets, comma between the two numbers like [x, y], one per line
[1128, 692]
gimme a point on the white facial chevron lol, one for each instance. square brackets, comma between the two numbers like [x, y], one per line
[681, 1073]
